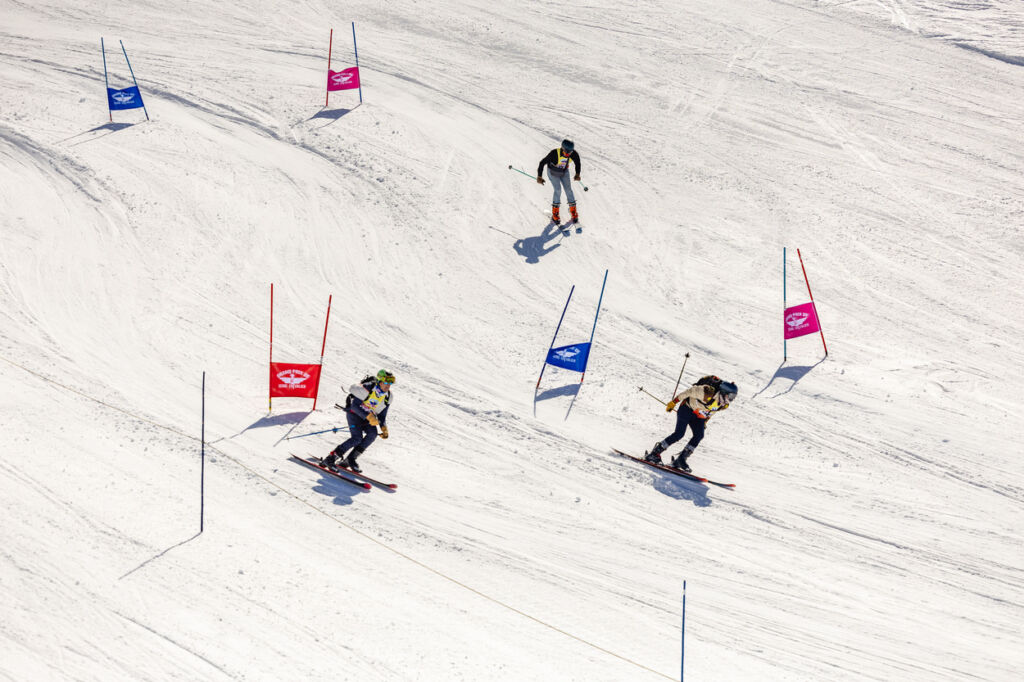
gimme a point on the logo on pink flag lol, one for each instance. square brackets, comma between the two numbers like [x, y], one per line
[346, 79]
[800, 320]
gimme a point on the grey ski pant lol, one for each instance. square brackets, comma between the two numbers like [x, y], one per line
[558, 181]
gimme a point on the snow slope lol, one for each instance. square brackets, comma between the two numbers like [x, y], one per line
[874, 531]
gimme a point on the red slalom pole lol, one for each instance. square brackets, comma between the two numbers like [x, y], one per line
[330, 44]
[808, 283]
[270, 399]
[322, 347]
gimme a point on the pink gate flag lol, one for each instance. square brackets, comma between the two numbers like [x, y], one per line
[800, 320]
[346, 79]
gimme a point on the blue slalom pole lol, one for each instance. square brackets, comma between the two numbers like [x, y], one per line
[106, 82]
[133, 79]
[356, 50]
[202, 459]
[682, 652]
[556, 334]
[594, 329]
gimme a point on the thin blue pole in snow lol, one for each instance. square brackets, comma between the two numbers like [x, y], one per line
[594, 329]
[682, 652]
[783, 303]
[133, 79]
[556, 334]
[356, 50]
[202, 465]
[106, 82]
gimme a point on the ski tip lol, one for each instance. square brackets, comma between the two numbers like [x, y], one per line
[366, 486]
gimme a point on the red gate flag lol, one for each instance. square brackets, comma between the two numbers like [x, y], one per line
[346, 79]
[293, 380]
[800, 320]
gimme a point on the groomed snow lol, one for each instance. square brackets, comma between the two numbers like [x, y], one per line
[874, 533]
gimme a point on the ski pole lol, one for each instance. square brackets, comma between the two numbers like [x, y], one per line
[641, 389]
[676, 391]
[585, 188]
[520, 171]
[334, 430]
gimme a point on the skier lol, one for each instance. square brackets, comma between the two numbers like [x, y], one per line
[696, 405]
[366, 408]
[557, 162]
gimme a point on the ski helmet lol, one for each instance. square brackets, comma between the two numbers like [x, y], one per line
[385, 377]
[727, 392]
[568, 146]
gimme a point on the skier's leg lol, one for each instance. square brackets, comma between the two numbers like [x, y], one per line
[355, 431]
[556, 196]
[682, 419]
[567, 183]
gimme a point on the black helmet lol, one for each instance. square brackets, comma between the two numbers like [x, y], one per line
[568, 146]
[727, 392]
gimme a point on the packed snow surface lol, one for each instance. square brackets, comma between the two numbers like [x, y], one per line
[874, 532]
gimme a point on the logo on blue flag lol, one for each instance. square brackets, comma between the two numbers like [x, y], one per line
[128, 98]
[572, 357]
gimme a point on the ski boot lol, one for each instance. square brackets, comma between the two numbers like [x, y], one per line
[655, 454]
[330, 461]
[350, 461]
[574, 214]
[680, 461]
[555, 218]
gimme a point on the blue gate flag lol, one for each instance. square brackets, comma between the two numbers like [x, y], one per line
[127, 98]
[572, 357]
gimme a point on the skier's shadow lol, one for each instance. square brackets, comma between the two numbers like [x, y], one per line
[534, 248]
[680, 489]
[343, 493]
[794, 374]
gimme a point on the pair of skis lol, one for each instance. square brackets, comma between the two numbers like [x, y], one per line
[347, 475]
[677, 472]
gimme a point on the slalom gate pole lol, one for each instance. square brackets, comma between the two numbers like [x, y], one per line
[641, 389]
[784, 304]
[330, 44]
[132, 71]
[270, 381]
[521, 171]
[555, 336]
[356, 50]
[676, 390]
[594, 328]
[106, 81]
[202, 460]
[808, 282]
[322, 347]
[682, 641]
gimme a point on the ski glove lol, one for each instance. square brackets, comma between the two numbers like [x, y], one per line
[383, 430]
[670, 405]
[540, 180]
[577, 177]
[372, 418]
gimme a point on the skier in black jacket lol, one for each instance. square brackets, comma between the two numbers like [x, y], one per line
[557, 162]
[366, 409]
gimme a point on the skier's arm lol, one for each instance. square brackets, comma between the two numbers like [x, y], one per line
[551, 156]
[575, 156]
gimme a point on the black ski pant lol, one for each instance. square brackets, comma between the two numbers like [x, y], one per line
[361, 434]
[686, 418]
